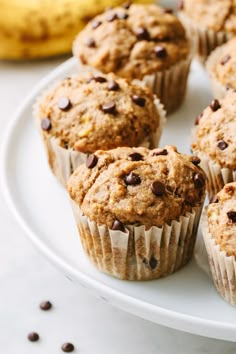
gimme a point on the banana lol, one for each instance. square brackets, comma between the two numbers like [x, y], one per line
[44, 28]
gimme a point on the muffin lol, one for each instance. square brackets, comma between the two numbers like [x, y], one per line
[219, 230]
[221, 66]
[212, 23]
[214, 142]
[137, 210]
[82, 114]
[141, 42]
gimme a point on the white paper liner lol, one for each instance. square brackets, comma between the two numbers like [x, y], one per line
[205, 39]
[217, 176]
[218, 89]
[139, 254]
[223, 267]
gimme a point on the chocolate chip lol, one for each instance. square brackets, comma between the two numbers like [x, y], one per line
[91, 161]
[158, 188]
[109, 107]
[225, 59]
[64, 104]
[96, 24]
[198, 180]
[117, 225]
[91, 43]
[153, 262]
[135, 156]
[213, 199]
[127, 5]
[111, 17]
[145, 262]
[142, 34]
[160, 52]
[132, 179]
[215, 105]
[163, 152]
[67, 347]
[46, 124]
[197, 119]
[232, 215]
[222, 145]
[113, 86]
[168, 10]
[123, 15]
[33, 337]
[140, 101]
[99, 79]
[45, 305]
[195, 160]
[180, 5]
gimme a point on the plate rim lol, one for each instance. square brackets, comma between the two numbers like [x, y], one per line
[151, 312]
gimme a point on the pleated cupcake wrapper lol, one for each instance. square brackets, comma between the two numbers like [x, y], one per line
[219, 90]
[205, 39]
[169, 85]
[217, 176]
[223, 267]
[63, 161]
[138, 254]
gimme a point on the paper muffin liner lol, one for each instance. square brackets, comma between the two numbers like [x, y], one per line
[218, 89]
[223, 267]
[64, 161]
[205, 39]
[138, 254]
[217, 176]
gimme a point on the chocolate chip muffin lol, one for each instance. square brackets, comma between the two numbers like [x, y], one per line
[143, 42]
[219, 230]
[212, 23]
[82, 114]
[214, 142]
[221, 66]
[137, 210]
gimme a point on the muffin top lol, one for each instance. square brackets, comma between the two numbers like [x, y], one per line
[87, 113]
[225, 66]
[137, 186]
[222, 219]
[217, 15]
[133, 41]
[215, 132]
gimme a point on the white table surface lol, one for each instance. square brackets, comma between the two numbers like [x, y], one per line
[26, 279]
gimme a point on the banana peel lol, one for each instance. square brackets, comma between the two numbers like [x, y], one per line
[44, 28]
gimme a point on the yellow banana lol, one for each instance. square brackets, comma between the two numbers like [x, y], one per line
[43, 28]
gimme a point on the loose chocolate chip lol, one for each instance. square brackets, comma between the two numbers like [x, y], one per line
[180, 5]
[163, 152]
[195, 160]
[140, 101]
[123, 15]
[67, 347]
[225, 59]
[198, 180]
[111, 17]
[127, 5]
[222, 145]
[153, 262]
[232, 215]
[142, 34]
[132, 179]
[158, 188]
[45, 305]
[91, 43]
[113, 86]
[117, 225]
[109, 107]
[64, 104]
[198, 118]
[215, 105]
[168, 10]
[46, 124]
[91, 161]
[160, 52]
[135, 156]
[96, 24]
[213, 199]
[99, 79]
[33, 337]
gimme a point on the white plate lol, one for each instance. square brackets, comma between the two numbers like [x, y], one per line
[186, 300]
